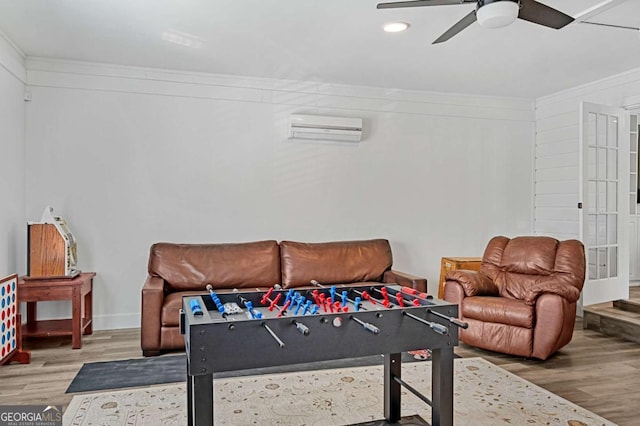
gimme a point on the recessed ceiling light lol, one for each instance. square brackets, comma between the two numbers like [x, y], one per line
[395, 27]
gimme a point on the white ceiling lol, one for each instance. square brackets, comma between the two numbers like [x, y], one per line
[338, 41]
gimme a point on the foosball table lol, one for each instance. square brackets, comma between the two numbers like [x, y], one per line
[244, 330]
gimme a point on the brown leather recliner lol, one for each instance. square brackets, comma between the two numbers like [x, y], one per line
[523, 299]
[177, 270]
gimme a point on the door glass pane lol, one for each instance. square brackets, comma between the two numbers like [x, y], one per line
[612, 228]
[613, 261]
[591, 129]
[591, 197]
[612, 137]
[593, 259]
[601, 136]
[592, 230]
[591, 167]
[601, 204]
[602, 163]
[602, 229]
[603, 261]
[612, 164]
[612, 197]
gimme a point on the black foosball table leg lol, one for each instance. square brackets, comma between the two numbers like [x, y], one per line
[392, 368]
[189, 397]
[442, 385]
[200, 400]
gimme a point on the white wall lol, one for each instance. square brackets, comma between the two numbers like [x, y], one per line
[12, 183]
[133, 156]
[557, 148]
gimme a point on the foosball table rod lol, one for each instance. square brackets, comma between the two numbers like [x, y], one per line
[438, 328]
[452, 320]
[274, 335]
[216, 300]
[385, 296]
[367, 326]
[366, 296]
[303, 329]
[343, 296]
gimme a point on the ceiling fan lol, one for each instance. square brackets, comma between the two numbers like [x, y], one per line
[493, 13]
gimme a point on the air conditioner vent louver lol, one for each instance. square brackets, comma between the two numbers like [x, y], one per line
[324, 128]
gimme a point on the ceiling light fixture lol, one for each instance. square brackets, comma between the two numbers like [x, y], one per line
[395, 27]
[497, 13]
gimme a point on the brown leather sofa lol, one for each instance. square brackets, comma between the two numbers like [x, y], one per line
[523, 299]
[176, 270]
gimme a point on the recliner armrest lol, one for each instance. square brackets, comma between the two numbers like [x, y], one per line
[474, 283]
[554, 285]
[152, 300]
[405, 280]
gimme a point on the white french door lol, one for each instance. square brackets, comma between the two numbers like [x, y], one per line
[604, 189]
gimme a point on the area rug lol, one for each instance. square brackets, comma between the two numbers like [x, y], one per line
[484, 395]
[127, 373]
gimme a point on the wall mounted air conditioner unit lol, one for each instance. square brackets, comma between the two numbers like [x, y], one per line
[323, 128]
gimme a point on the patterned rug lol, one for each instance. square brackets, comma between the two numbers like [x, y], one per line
[484, 395]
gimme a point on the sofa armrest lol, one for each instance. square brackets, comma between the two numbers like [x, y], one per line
[474, 283]
[405, 280]
[152, 300]
[555, 285]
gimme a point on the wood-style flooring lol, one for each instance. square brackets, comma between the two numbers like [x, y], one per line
[599, 373]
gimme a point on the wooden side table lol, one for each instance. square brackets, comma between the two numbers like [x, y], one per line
[78, 290]
[451, 263]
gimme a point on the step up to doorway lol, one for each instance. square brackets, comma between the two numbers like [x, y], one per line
[621, 322]
[628, 305]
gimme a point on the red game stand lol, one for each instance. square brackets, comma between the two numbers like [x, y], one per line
[11, 323]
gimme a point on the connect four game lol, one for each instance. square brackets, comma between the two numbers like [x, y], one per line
[10, 327]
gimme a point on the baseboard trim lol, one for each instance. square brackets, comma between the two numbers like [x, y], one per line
[116, 321]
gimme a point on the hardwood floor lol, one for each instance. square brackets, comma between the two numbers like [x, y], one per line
[599, 373]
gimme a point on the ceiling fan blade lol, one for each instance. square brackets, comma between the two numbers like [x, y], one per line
[538, 13]
[419, 3]
[459, 26]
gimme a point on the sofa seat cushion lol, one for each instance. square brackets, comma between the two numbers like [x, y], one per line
[500, 310]
[334, 263]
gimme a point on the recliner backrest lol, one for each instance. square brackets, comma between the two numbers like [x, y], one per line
[515, 265]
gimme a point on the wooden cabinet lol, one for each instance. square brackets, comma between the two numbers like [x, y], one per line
[450, 263]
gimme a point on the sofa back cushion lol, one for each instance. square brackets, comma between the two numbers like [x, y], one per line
[193, 266]
[515, 265]
[335, 262]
